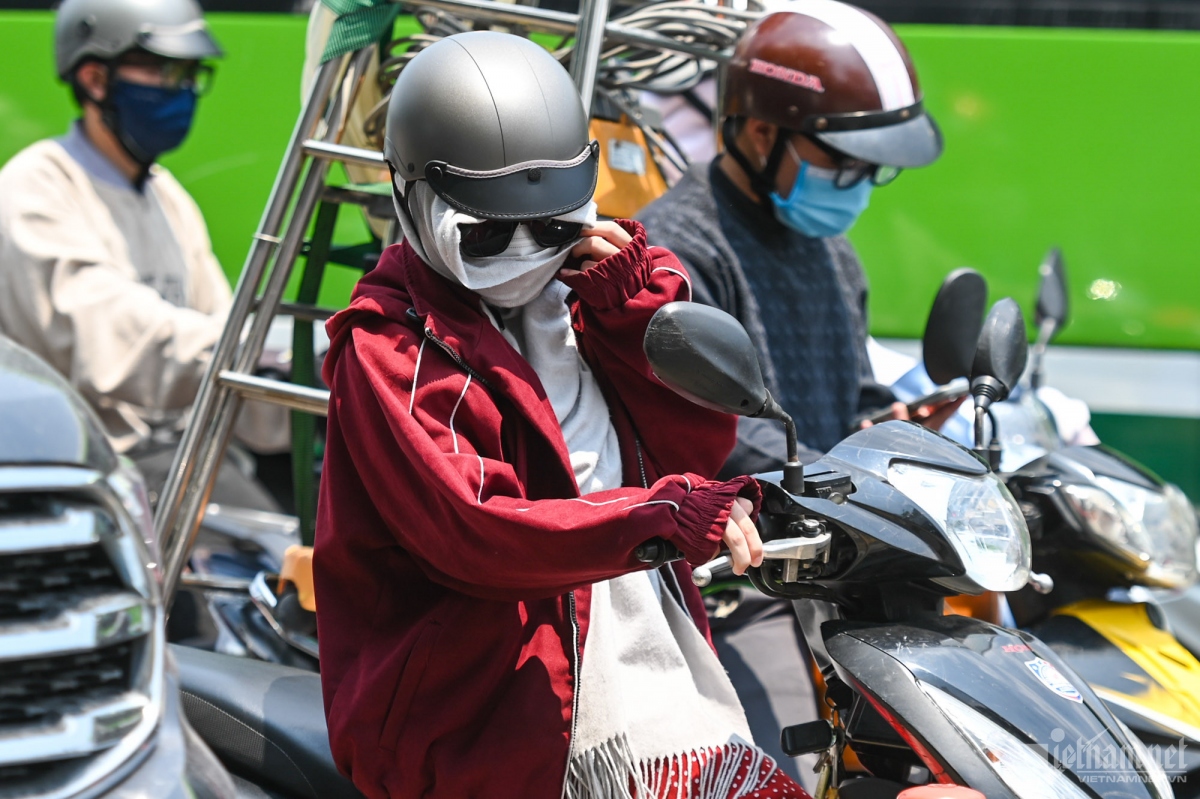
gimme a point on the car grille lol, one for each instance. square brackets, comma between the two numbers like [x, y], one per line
[33, 584]
[74, 639]
[41, 690]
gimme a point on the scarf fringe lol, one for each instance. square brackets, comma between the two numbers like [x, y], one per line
[609, 771]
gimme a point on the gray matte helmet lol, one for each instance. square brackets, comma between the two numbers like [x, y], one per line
[104, 29]
[495, 125]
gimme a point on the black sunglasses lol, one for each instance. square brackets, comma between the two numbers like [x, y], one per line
[852, 171]
[492, 236]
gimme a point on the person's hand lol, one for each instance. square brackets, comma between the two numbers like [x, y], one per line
[932, 416]
[741, 537]
[598, 243]
[899, 411]
[936, 415]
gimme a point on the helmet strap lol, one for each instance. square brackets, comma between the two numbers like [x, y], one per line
[761, 181]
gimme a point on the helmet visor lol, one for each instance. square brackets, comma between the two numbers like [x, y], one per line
[525, 191]
[912, 143]
[190, 41]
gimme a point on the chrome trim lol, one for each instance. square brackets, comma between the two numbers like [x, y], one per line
[97, 619]
[261, 592]
[71, 529]
[214, 583]
[289, 395]
[75, 734]
[340, 152]
[90, 623]
[266, 601]
[46, 478]
[97, 772]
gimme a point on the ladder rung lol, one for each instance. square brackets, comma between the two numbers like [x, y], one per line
[305, 313]
[379, 205]
[289, 395]
[340, 152]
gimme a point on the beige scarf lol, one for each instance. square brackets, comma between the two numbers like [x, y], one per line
[652, 697]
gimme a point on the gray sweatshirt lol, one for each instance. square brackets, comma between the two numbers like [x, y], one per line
[118, 289]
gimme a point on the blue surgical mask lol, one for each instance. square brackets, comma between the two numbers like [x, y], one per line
[815, 206]
[150, 120]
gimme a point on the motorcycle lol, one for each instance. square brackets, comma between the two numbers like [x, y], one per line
[1101, 525]
[874, 536]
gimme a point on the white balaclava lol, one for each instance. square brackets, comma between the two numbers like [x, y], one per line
[508, 280]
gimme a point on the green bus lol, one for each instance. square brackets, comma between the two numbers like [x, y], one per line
[1068, 123]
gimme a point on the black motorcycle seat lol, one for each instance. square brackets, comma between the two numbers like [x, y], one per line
[265, 722]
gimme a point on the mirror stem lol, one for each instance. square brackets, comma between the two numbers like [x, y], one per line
[990, 453]
[980, 415]
[1038, 350]
[793, 470]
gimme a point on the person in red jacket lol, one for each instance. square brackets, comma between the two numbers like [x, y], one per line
[497, 450]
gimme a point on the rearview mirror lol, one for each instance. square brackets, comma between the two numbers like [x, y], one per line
[1001, 355]
[706, 355]
[955, 320]
[1052, 303]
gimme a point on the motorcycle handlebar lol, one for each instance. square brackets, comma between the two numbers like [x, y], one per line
[656, 552]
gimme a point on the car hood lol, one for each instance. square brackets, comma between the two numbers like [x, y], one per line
[43, 421]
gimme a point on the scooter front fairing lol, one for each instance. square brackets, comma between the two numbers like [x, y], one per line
[983, 706]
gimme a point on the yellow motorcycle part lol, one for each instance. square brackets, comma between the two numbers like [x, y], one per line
[629, 178]
[1171, 678]
[297, 570]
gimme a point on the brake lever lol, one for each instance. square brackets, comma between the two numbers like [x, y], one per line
[779, 549]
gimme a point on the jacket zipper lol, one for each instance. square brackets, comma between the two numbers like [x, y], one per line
[454, 356]
[637, 445]
[575, 692]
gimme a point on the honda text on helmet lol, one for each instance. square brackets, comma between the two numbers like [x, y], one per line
[164, 39]
[840, 77]
[492, 166]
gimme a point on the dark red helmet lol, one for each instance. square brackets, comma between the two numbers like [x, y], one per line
[837, 74]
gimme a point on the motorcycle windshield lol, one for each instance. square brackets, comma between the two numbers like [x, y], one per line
[1027, 431]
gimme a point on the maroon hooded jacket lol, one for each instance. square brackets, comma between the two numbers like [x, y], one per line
[454, 557]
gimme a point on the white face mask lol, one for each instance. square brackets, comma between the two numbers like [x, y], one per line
[508, 280]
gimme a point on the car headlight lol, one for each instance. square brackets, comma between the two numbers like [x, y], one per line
[1156, 531]
[980, 518]
[1021, 767]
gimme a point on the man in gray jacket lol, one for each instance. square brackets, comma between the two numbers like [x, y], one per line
[821, 105]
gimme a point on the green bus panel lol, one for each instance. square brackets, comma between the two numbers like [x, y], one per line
[1080, 138]
[1164, 444]
[1077, 138]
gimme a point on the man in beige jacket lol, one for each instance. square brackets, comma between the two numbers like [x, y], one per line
[106, 269]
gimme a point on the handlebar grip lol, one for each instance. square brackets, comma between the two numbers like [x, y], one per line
[656, 552]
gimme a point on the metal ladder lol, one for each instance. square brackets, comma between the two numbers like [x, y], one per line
[300, 186]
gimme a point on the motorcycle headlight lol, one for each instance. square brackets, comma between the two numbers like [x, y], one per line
[980, 518]
[1022, 768]
[1156, 531]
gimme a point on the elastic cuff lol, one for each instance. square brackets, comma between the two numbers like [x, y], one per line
[619, 277]
[704, 512]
